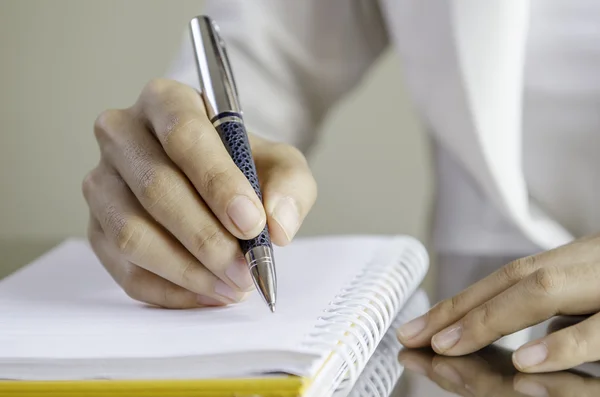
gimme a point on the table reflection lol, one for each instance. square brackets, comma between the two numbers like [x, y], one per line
[397, 372]
[490, 372]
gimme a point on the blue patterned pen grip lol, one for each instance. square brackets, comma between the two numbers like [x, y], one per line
[234, 137]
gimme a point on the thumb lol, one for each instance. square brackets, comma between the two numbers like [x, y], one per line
[288, 187]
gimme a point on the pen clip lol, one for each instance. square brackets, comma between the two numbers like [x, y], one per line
[217, 84]
[226, 64]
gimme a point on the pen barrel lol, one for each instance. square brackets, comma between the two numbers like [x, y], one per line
[235, 139]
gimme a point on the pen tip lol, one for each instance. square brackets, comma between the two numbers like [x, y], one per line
[272, 307]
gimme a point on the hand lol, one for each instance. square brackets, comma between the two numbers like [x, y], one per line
[167, 202]
[487, 373]
[563, 281]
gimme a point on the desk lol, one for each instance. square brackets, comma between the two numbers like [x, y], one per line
[488, 372]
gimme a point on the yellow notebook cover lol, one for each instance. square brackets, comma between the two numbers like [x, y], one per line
[268, 387]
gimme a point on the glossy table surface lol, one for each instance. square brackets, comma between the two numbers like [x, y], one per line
[489, 372]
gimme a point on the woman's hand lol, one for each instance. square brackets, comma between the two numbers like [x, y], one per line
[563, 281]
[167, 202]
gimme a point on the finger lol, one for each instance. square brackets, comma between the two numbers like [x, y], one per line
[558, 384]
[549, 291]
[177, 117]
[563, 349]
[140, 240]
[418, 332]
[167, 195]
[289, 189]
[139, 283]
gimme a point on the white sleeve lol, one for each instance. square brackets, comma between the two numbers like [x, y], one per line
[292, 59]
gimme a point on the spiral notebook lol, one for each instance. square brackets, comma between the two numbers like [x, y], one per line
[66, 327]
[381, 375]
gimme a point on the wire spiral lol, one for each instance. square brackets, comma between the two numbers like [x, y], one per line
[357, 319]
[381, 374]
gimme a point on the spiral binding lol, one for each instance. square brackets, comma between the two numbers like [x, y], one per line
[383, 370]
[357, 319]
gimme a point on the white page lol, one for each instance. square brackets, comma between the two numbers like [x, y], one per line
[65, 305]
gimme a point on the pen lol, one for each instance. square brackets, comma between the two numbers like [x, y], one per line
[219, 93]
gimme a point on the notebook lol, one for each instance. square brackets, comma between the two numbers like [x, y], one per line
[65, 326]
[381, 375]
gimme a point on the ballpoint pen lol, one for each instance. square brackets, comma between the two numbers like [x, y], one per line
[219, 93]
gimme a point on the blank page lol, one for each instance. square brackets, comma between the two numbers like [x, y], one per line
[65, 305]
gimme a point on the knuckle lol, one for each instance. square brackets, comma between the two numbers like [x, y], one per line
[549, 281]
[478, 323]
[209, 241]
[182, 133]
[480, 318]
[126, 232]
[187, 273]
[215, 178]
[153, 182]
[574, 343]
[518, 269]
[454, 303]
[448, 308]
[106, 123]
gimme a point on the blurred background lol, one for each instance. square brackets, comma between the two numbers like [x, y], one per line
[64, 61]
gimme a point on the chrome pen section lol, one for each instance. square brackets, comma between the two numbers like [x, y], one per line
[217, 85]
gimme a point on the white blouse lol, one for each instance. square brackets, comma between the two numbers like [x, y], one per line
[302, 57]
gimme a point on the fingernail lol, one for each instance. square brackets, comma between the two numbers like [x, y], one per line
[448, 373]
[531, 388]
[244, 213]
[239, 274]
[532, 355]
[412, 328]
[226, 291]
[414, 367]
[208, 301]
[287, 216]
[447, 338]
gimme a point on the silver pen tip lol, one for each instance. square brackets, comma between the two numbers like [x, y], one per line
[262, 270]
